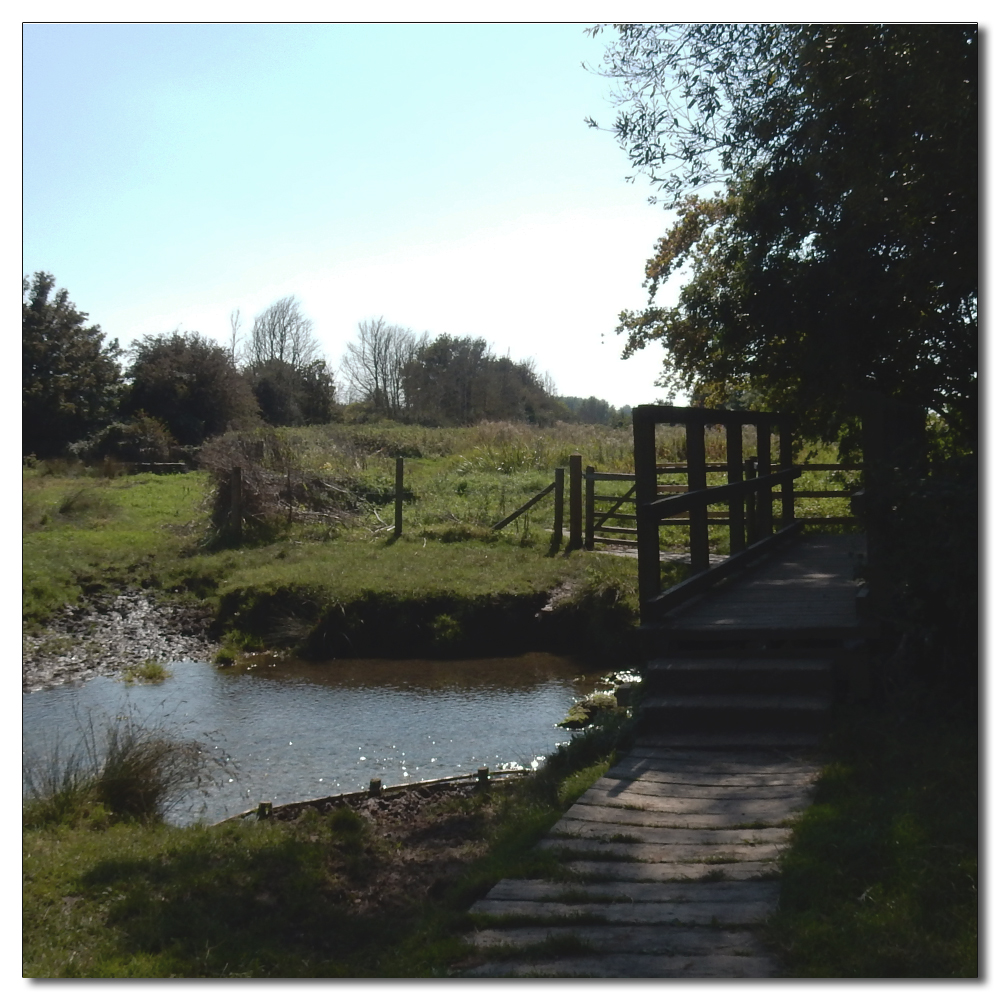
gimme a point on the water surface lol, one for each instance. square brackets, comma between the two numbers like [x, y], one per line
[294, 730]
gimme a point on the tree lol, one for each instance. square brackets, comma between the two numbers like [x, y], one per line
[280, 333]
[842, 257]
[190, 383]
[373, 365]
[290, 396]
[70, 379]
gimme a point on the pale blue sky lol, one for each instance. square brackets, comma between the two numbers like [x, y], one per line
[439, 175]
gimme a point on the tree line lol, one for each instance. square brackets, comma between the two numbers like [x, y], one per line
[83, 394]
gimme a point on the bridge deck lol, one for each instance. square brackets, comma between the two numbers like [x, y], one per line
[676, 851]
[806, 589]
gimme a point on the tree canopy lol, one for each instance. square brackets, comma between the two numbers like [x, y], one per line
[69, 376]
[189, 383]
[842, 256]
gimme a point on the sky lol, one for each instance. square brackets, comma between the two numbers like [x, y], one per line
[438, 175]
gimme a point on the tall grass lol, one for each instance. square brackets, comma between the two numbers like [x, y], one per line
[121, 769]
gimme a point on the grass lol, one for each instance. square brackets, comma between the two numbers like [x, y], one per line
[881, 880]
[146, 900]
[121, 770]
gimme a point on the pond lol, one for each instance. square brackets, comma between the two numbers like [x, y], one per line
[292, 730]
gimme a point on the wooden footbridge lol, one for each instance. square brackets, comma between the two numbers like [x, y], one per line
[674, 853]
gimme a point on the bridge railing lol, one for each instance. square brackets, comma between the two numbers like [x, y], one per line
[748, 496]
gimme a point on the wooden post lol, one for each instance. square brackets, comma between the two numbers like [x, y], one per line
[399, 497]
[588, 513]
[483, 778]
[647, 529]
[752, 527]
[734, 474]
[697, 480]
[557, 523]
[236, 503]
[575, 500]
[374, 788]
[785, 461]
[765, 516]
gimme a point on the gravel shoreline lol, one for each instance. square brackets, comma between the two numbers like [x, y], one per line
[111, 634]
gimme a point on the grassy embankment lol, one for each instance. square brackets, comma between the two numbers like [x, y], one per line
[108, 895]
[335, 582]
[880, 881]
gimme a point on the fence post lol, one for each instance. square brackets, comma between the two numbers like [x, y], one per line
[697, 480]
[753, 535]
[236, 503]
[575, 500]
[734, 474]
[557, 524]
[785, 461]
[765, 515]
[588, 513]
[399, 497]
[647, 529]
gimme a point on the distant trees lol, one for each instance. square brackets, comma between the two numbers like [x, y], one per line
[70, 379]
[373, 366]
[592, 410]
[458, 380]
[189, 383]
[284, 366]
[445, 381]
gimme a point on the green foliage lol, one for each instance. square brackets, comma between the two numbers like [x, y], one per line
[123, 770]
[290, 396]
[274, 899]
[69, 380]
[881, 880]
[190, 384]
[843, 257]
[142, 439]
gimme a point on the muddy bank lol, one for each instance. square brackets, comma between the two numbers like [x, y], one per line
[110, 635]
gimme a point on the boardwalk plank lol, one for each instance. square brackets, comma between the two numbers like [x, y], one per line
[676, 789]
[600, 832]
[622, 940]
[543, 890]
[693, 821]
[635, 967]
[720, 911]
[737, 809]
[641, 870]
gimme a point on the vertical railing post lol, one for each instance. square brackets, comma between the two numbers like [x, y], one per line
[575, 500]
[697, 480]
[785, 461]
[647, 529]
[752, 525]
[557, 522]
[398, 530]
[588, 509]
[734, 474]
[765, 516]
[236, 503]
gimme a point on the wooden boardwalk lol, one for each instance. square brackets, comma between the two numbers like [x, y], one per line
[673, 856]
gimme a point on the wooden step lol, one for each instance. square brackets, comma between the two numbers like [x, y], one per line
[744, 675]
[721, 713]
[730, 740]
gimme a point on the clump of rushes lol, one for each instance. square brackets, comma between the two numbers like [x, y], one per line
[123, 770]
[150, 672]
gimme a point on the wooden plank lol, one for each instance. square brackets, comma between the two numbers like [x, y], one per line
[543, 890]
[711, 841]
[630, 966]
[637, 857]
[659, 789]
[670, 778]
[643, 872]
[736, 810]
[632, 940]
[691, 820]
[721, 911]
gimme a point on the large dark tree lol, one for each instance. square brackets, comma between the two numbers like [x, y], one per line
[70, 377]
[842, 257]
[290, 395]
[190, 383]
